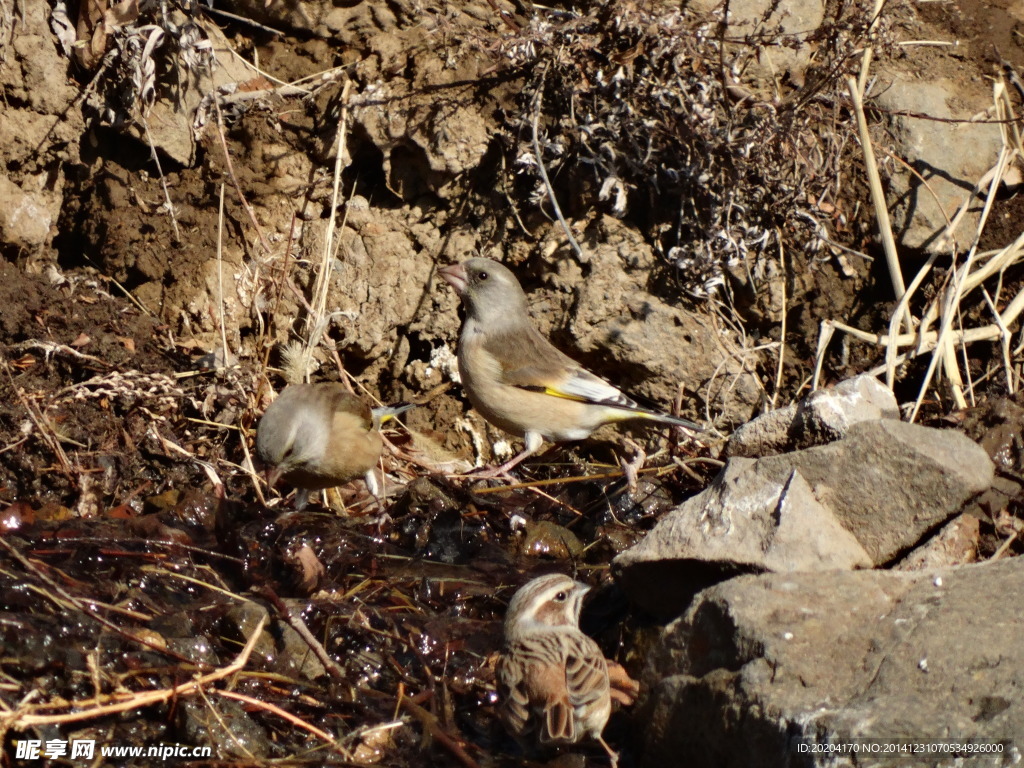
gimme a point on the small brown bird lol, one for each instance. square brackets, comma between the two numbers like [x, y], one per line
[553, 680]
[516, 378]
[318, 436]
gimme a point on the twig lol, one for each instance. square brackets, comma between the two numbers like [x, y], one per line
[234, 179]
[878, 199]
[300, 626]
[954, 295]
[220, 276]
[163, 180]
[892, 345]
[122, 702]
[241, 20]
[537, 99]
[46, 432]
[564, 480]
[429, 722]
[294, 720]
[782, 320]
[1004, 546]
[1004, 342]
[323, 278]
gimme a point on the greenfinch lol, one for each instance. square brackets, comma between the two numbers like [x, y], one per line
[318, 436]
[514, 376]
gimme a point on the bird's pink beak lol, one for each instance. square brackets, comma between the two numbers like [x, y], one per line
[455, 276]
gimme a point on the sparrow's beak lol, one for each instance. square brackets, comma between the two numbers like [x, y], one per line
[455, 276]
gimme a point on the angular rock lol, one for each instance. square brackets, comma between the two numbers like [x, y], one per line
[650, 347]
[760, 662]
[944, 174]
[779, 28]
[860, 501]
[743, 521]
[822, 417]
[25, 217]
[888, 482]
[827, 415]
[768, 434]
[955, 544]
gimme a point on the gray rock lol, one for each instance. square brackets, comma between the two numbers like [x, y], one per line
[25, 216]
[760, 661]
[888, 482]
[956, 543]
[745, 521]
[768, 434]
[935, 150]
[860, 501]
[646, 345]
[822, 417]
[294, 653]
[241, 620]
[782, 27]
[828, 414]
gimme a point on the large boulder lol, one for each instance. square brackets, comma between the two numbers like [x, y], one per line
[857, 502]
[759, 664]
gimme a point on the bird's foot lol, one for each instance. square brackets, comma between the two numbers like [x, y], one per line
[632, 467]
[613, 756]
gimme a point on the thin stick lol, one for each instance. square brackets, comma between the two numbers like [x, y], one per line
[878, 200]
[825, 333]
[892, 346]
[1005, 342]
[429, 722]
[297, 721]
[122, 702]
[954, 296]
[782, 320]
[163, 181]
[234, 179]
[543, 171]
[300, 626]
[220, 276]
[865, 64]
[323, 277]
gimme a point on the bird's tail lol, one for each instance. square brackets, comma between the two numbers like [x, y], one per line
[386, 413]
[664, 418]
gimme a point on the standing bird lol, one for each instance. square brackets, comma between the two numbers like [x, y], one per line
[517, 379]
[318, 436]
[553, 680]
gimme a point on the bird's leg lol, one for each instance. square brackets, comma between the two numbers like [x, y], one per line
[613, 756]
[533, 443]
[373, 486]
[376, 490]
[632, 467]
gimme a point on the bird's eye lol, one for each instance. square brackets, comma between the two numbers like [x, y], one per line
[561, 596]
[483, 275]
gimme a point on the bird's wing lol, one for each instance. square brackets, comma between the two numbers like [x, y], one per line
[529, 361]
[532, 686]
[515, 702]
[341, 401]
[586, 672]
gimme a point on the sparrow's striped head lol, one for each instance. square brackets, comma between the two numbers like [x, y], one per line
[548, 601]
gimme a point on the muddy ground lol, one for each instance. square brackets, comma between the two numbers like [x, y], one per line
[140, 549]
